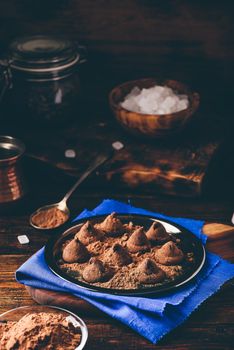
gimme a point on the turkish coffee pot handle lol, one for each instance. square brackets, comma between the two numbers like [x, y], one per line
[5, 77]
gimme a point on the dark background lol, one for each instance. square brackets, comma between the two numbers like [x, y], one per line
[191, 41]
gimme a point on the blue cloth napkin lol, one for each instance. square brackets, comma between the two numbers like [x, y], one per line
[152, 317]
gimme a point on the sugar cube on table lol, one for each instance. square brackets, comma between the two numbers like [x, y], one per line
[70, 153]
[117, 145]
[23, 239]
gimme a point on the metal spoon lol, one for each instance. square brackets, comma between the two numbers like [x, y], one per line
[62, 205]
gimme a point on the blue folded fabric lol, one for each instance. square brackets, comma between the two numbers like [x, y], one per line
[152, 317]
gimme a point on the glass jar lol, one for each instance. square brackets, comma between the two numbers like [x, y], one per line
[40, 81]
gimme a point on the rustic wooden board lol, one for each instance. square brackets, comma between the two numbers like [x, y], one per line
[130, 40]
[176, 166]
[216, 231]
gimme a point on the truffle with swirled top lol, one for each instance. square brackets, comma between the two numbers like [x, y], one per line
[88, 234]
[118, 255]
[149, 272]
[74, 252]
[169, 254]
[95, 271]
[157, 233]
[138, 241]
[111, 225]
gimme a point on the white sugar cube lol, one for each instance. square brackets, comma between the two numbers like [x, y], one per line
[70, 153]
[134, 92]
[23, 239]
[155, 100]
[182, 105]
[117, 145]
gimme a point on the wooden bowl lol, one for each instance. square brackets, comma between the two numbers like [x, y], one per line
[152, 125]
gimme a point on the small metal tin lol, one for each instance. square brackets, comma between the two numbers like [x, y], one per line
[12, 183]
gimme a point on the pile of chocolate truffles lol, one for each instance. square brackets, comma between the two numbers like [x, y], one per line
[137, 242]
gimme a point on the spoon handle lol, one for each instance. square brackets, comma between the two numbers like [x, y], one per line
[100, 159]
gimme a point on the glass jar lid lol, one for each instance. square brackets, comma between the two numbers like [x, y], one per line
[41, 54]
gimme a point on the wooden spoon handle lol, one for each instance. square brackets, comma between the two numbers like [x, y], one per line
[217, 231]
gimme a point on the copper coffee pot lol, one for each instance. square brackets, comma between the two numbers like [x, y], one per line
[12, 184]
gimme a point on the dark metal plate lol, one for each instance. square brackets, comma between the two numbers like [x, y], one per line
[189, 243]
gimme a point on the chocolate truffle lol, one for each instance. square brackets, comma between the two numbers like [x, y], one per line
[169, 254]
[88, 234]
[149, 272]
[138, 241]
[111, 225]
[118, 255]
[75, 251]
[157, 233]
[95, 271]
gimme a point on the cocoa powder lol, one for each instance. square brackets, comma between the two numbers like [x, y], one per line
[123, 264]
[37, 331]
[49, 218]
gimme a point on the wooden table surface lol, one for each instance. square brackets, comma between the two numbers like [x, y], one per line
[188, 41]
[210, 327]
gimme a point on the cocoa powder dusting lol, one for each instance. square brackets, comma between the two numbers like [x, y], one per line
[49, 218]
[117, 255]
[37, 331]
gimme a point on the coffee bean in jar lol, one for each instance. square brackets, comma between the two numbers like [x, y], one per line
[42, 83]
